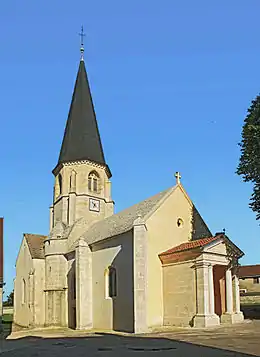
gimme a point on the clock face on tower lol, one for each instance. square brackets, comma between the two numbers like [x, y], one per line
[94, 205]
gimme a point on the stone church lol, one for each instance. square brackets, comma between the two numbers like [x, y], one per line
[153, 264]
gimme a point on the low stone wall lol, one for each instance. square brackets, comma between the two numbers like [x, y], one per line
[249, 299]
[250, 305]
[8, 310]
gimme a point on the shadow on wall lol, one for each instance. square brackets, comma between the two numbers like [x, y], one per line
[199, 227]
[72, 296]
[117, 345]
[123, 302]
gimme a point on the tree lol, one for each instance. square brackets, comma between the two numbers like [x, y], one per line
[10, 300]
[249, 163]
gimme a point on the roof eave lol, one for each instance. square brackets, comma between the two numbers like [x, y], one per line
[59, 165]
[181, 251]
[249, 276]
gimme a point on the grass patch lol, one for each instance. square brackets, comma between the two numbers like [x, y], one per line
[7, 318]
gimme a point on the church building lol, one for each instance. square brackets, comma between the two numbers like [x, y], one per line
[153, 264]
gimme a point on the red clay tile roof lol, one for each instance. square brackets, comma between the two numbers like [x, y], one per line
[179, 256]
[36, 245]
[247, 271]
[191, 245]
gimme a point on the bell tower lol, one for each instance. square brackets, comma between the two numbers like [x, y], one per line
[82, 187]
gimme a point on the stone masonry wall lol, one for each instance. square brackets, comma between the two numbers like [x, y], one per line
[179, 288]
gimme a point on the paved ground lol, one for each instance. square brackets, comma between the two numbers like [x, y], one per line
[241, 340]
[244, 338]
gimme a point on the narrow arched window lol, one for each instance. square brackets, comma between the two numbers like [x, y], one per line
[23, 291]
[73, 180]
[60, 184]
[93, 181]
[112, 283]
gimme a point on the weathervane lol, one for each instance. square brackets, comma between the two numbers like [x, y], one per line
[82, 35]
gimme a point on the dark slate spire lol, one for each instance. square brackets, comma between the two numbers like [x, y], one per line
[81, 139]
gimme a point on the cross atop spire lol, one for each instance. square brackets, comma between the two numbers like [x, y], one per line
[82, 35]
[178, 177]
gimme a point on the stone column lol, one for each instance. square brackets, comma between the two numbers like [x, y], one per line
[140, 276]
[229, 292]
[84, 316]
[237, 295]
[205, 296]
[229, 317]
[202, 289]
[239, 316]
[211, 291]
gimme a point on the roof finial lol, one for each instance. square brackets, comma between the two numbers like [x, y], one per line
[82, 35]
[178, 177]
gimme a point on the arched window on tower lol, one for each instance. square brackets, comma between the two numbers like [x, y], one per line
[60, 184]
[93, 181]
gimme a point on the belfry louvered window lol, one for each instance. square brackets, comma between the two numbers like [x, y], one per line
[93, 181]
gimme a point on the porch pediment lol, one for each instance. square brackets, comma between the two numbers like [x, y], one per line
[216, 247]
[224, 246]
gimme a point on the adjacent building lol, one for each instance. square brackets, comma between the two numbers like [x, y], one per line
[249, 276]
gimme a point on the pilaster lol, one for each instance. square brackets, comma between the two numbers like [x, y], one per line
[51, 218]
[72, 198]
[140, 276]
[72, 208]
[31, 297]
[84, 316]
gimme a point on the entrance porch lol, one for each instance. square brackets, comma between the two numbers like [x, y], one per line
[200, 283]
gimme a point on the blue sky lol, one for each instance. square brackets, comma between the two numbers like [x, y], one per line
[171, 82]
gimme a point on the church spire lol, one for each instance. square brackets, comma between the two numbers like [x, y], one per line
[81, 139]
